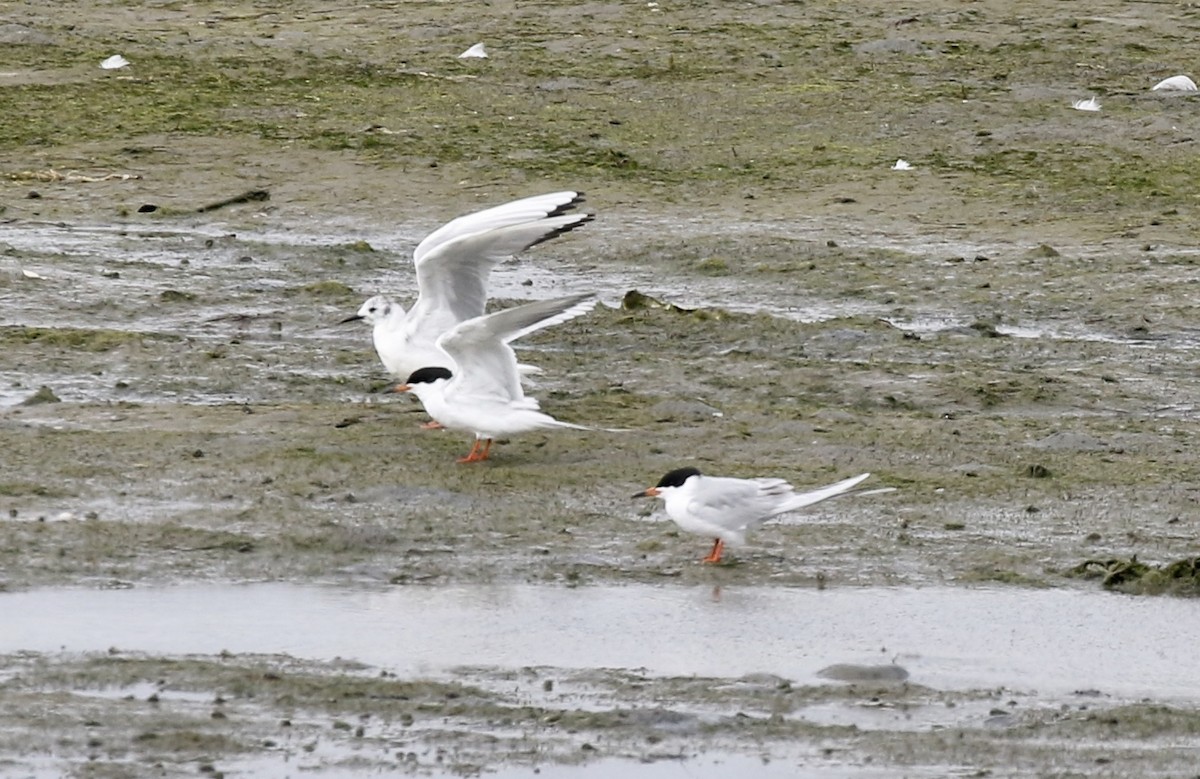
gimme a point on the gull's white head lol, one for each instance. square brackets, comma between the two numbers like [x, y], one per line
[673, 480]
[377, 309]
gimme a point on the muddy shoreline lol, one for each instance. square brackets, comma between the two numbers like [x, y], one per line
[1004, 333]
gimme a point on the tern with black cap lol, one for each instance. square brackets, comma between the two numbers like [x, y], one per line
[724, 508]
[482, 394]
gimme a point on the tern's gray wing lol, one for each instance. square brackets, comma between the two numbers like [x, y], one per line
[486, 365]
[738, 504]
[746, 502]
[735, 504]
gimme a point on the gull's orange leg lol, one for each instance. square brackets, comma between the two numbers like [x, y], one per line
[715, 555]
[471, 455]
[432, 424]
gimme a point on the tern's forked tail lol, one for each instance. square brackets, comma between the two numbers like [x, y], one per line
[803, 499]
[552, 422]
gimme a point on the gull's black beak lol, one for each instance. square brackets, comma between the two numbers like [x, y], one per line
[347, 320]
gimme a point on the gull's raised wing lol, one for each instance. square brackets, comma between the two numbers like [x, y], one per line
[454, 262]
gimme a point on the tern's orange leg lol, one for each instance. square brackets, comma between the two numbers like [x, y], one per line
[477, 453]
[432, 424]
[471, 455]
[715, 555]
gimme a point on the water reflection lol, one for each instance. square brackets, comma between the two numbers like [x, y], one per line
[1049, 641]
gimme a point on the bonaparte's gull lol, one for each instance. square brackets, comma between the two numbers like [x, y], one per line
[453, 264]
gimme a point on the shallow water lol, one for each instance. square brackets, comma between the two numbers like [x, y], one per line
[696, 767]
[1045, 641]
[215, 261]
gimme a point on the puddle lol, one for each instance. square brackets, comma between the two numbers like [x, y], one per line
[711, 767]
[703, 766]
[936, 324]
[145, 690]
[886, 716]
[1053, 642]
[724, 766]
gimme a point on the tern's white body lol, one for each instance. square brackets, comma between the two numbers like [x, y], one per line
[453, 264]
[724, 508]
[488, 418]
[482, 394]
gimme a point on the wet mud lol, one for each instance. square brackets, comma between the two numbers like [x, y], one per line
[1004, 333]
[462, 679]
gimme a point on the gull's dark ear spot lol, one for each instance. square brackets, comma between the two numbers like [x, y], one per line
[677, 477]
[428, 375]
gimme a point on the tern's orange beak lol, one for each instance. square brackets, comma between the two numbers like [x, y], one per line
[649, 492]
[401, 388]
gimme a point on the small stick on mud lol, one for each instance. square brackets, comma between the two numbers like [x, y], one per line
[246, 197]
[50, 174]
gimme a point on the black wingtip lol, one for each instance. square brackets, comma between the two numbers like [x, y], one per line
[565, 207]
[583, 219]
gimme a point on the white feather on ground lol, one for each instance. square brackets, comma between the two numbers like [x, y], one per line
[1179, 83]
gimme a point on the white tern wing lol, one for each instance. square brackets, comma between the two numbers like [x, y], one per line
[486, 366]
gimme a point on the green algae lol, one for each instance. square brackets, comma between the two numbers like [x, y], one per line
[726, 90]
[100, 340]
[324, 290]
[43, 395]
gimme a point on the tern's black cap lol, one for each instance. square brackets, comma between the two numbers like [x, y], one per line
[677, 477]
[428, 375]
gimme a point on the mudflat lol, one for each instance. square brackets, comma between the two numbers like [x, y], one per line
[1004, 333]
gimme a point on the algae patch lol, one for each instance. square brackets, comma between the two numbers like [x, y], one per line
[43, 395]
[1130, 575]
[323, 290]
[99, 340]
